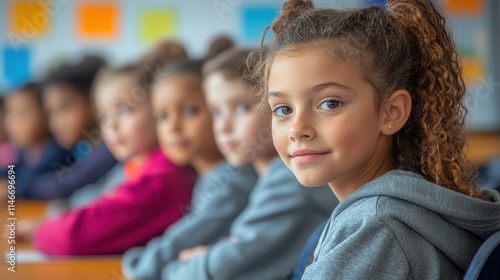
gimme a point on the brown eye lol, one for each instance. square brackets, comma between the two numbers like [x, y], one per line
[329, 105]
[282, 111]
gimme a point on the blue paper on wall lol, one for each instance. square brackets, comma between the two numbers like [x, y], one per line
[256, 20]
[377, 3]
[16, 65]
[382, 3]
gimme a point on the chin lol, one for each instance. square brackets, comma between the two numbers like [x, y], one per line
[180, 161]
[308, 182]
[236, 161]
[309, 179]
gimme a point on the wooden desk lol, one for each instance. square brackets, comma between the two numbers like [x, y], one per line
[94, 268]
[71, 268]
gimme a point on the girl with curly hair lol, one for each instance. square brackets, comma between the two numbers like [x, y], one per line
[370, 101]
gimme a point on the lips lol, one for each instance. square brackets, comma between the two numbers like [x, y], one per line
[307, 156]
[229, 146]
[178, 144]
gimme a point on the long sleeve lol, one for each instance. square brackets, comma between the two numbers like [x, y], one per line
[68, 176]
[130, 216]
[219, 197]
[114, 178]
[29, 174]
[269, 234]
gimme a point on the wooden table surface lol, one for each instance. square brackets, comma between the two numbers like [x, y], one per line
[84, 268]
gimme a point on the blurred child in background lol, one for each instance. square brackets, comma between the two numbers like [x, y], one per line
[72, 121]
[147, 202]
[265, 240]
[7, 150]
[26, 125]
[163, 53]
[184, 127]
[218, 45]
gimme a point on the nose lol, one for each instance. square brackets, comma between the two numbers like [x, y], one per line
[174, 123]
[224, 122]
[110, 124]
[302, 127]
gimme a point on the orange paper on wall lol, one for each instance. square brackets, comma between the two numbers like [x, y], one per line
[28, 18]
[97, 20]
[465, 6]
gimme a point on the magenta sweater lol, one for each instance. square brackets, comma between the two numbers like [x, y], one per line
[132, 214]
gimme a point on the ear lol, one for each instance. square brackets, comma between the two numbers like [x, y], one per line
[395, 111]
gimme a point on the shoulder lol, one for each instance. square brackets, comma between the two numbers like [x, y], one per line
[158, 165]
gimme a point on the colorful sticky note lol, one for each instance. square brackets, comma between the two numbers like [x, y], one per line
[256, 20]
[473, 64]
[377, 3]
[16, 65]
[158, 23]
[28, 18]
[97, 20]
[465, 6]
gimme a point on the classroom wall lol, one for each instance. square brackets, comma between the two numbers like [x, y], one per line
[31, 44]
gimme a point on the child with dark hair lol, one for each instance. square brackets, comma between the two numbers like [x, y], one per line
[26, 127]
[265, 240]
[371, 102]
[146, 202]
[184, 126]
[218, 45]
[72, 122]
[7, 150]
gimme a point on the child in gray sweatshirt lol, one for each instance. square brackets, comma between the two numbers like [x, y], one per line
[266, 239]
[370, 101]
[221, 192]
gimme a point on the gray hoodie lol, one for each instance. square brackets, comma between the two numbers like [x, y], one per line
[400, 226]
[268, 235]
[219, 197]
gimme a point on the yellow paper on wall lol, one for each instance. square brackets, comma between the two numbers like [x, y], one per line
[157, 24]
[29, 18]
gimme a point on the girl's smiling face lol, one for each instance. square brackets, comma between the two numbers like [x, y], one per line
[326, 124]
[183, 122]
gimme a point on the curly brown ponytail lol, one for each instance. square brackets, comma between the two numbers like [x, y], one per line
[440, 91]
[406, 47]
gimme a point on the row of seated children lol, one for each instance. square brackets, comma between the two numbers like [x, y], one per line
[349, 99]
[49, 124]
[242, 192]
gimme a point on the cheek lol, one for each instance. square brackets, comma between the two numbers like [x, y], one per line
[162, 135]
[354, 137]
[107, 136]
[143, 128]
[201, 127]
[73, 120]
[280, 137]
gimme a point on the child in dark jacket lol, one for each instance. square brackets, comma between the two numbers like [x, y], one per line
[141, 207]
[26, 125]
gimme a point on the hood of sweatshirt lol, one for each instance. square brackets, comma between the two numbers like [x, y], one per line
[462, 222]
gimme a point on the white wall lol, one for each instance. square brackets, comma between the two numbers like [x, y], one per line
[199, 22]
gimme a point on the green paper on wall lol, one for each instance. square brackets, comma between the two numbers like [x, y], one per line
[158, 23]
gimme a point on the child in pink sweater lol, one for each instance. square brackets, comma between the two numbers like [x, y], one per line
[142, 207]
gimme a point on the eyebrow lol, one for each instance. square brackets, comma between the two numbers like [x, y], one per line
[315, 89]
[323, 86]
